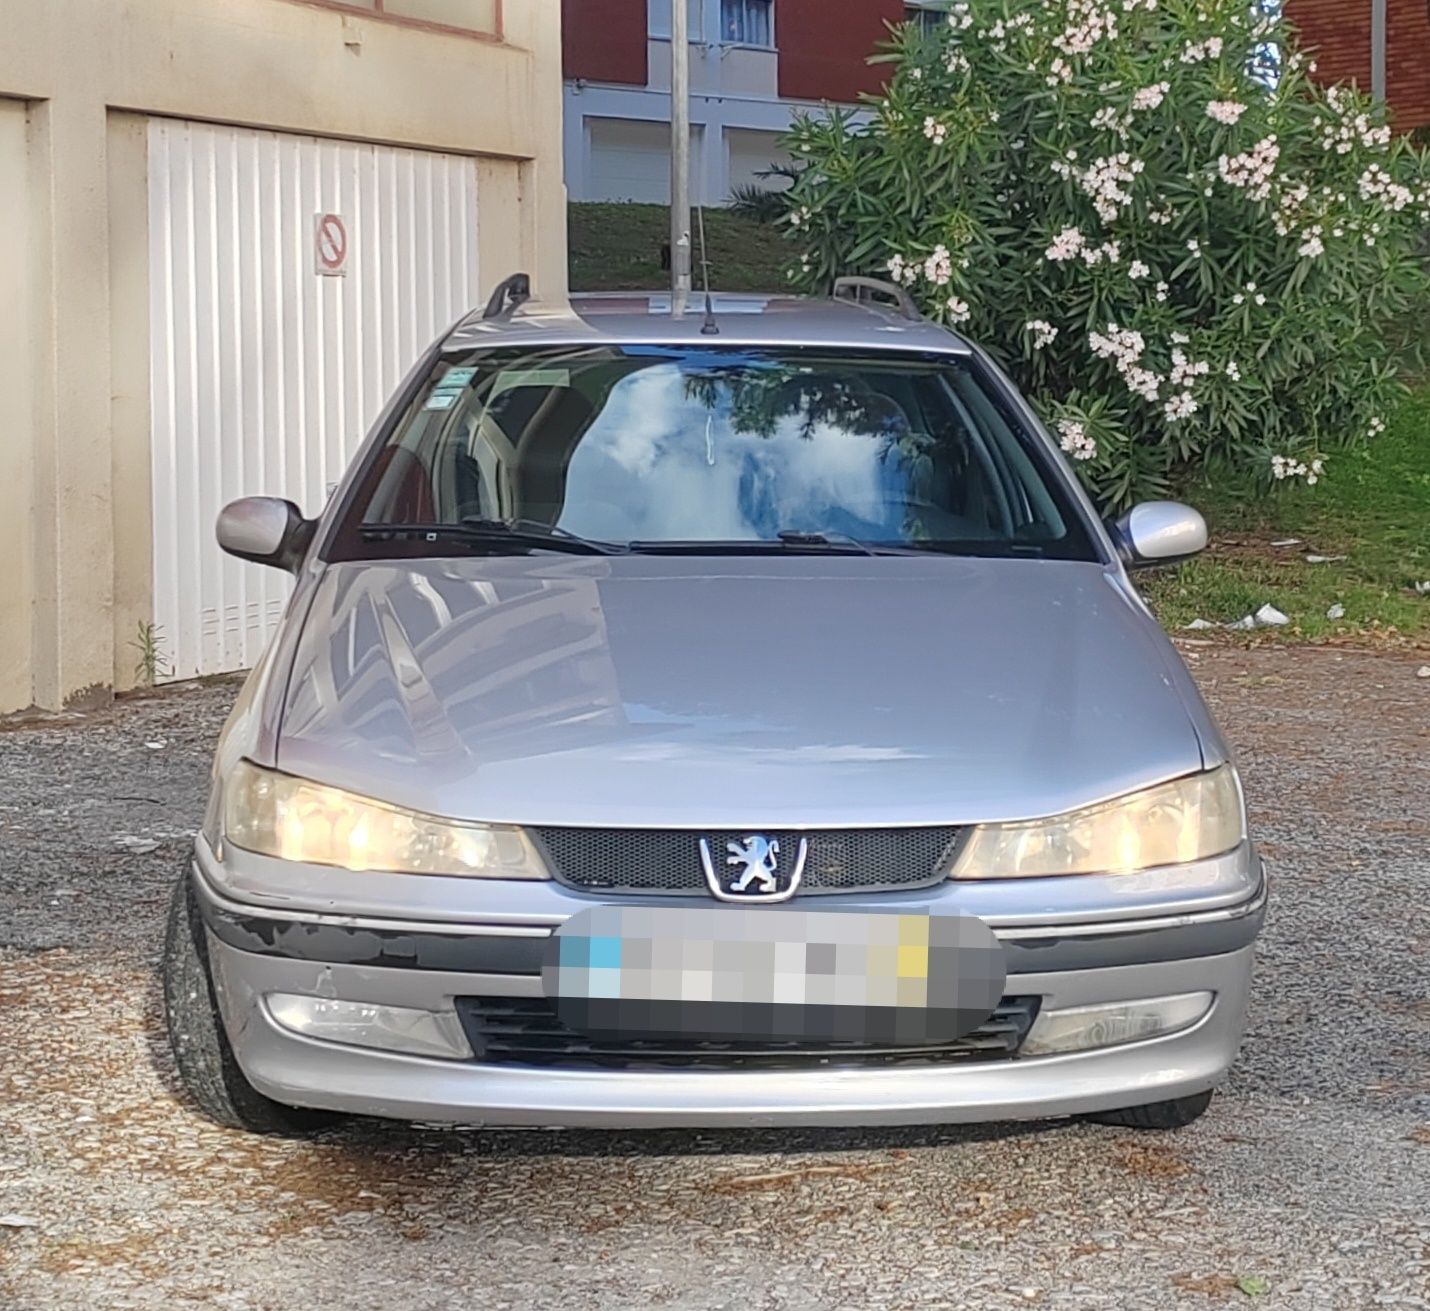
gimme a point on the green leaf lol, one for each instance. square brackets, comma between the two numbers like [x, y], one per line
[1253, 1285]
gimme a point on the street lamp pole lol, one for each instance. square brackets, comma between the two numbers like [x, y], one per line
[679, 155]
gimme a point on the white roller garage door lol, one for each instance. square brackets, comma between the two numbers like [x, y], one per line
[630, 160]
[753, 153]
[264, 374]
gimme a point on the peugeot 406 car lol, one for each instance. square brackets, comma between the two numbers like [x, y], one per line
[727, 717]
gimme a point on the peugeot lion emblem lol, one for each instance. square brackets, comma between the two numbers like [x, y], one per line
[761, 858]
[752, 869]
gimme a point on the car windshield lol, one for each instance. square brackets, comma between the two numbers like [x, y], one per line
[709, 450]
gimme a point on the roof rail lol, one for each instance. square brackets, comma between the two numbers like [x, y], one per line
[510, 292]
[860, 290]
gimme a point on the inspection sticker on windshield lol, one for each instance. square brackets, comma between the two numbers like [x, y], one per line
[773, 974]
[448, 388]
[455, 379]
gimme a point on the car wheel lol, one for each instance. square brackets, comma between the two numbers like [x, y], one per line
[202, 1052]
[1174, 1114]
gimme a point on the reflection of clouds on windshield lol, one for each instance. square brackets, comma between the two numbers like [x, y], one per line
[834, 466]
[658, 465]
[641, 410]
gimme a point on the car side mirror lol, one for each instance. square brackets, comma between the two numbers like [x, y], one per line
[265, 530]
[1159, 532]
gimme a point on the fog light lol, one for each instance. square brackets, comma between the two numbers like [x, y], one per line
[1082, 1028]
[364, 1024]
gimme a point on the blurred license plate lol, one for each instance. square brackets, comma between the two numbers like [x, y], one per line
[773, 973]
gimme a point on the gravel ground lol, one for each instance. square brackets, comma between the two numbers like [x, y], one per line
[1308, 1183]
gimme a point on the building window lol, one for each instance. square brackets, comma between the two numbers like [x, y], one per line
[747, 22]
[923, 18]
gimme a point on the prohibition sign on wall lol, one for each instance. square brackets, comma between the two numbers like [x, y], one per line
[330, 246]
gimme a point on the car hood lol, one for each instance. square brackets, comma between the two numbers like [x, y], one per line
[734, 691]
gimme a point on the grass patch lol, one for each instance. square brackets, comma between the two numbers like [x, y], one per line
[617, 248]
[1373, 507]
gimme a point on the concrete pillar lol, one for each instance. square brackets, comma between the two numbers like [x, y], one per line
[73, 641]
[23, 270]
[131, 418]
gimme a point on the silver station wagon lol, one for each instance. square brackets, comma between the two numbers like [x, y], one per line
[736, 716]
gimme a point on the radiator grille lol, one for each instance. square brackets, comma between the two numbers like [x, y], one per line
[667, 861]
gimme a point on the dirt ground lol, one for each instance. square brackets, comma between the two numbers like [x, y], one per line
[1306, 1186]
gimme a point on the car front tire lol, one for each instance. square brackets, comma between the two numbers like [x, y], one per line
[203, 1054]
[1175, 1114]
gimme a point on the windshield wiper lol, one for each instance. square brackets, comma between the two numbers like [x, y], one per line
[839, 541]
[510, 532]
[843, 542]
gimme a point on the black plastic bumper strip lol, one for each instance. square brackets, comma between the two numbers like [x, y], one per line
[468, 953]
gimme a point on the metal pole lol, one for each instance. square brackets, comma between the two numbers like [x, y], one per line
[679, 155]
[1377, 50]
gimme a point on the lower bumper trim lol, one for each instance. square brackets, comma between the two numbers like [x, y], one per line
[302, 1071]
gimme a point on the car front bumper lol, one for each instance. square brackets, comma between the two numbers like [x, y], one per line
[1192, 934]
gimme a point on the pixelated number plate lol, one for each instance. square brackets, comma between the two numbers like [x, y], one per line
[776, 974]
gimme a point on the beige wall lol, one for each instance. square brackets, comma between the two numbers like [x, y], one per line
[77, 79]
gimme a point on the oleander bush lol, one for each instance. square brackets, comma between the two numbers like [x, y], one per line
[1183, 249]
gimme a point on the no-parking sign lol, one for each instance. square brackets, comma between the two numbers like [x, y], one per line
[330, 246]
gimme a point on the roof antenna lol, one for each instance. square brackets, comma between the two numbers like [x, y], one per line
[709, 328]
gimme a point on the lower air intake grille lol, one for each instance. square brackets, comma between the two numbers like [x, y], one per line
[525, 1031]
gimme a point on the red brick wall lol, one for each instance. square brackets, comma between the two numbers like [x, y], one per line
[1407, 62]
[824, 46]
[603, 40]
[1338, 32]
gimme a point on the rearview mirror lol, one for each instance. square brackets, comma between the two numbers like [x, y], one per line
[1159, 532]
[265, 530]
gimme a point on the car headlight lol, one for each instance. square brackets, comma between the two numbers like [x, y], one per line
[293, 819]
[1187, 819]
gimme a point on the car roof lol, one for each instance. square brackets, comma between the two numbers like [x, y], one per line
[743, 319]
